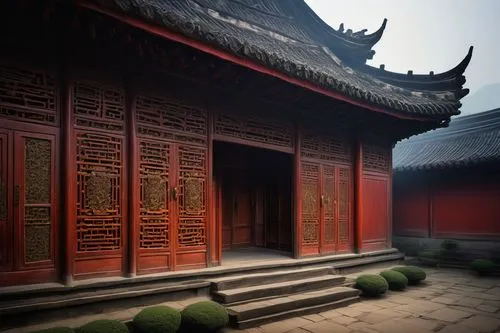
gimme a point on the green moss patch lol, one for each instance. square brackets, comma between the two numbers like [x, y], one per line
[415, 275]
[157, 319]
[395, 280]
[484, 266]
[203, 317]
[371, 285]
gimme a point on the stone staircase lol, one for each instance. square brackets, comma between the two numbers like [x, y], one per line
[255, 299]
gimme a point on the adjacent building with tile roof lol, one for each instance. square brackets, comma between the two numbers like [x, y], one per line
[447, 182]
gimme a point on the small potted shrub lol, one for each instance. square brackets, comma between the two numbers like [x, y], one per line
[395, 280]
[103, 326]
[415, 275]
[157, 319]
[371, 285]
[203, 317]
[483, 266]
[57, 330]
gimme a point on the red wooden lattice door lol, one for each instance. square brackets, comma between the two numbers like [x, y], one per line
[28, 211]
[172, 160]
[326, 208]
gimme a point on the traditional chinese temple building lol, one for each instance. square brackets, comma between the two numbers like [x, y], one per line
[141, 137]
[447, 186]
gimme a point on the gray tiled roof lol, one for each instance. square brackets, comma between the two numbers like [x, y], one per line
[468, 140]
[289, 37]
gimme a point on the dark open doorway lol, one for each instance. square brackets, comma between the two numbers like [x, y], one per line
[254, 197]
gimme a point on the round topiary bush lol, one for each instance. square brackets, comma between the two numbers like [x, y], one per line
[57, 330]
[371, 285]
[414, 274]
[203, 317]
[395, 280]
[483, 266]
[157, 319]
[104, 326]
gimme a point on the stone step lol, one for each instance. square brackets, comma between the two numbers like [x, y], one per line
[257, 279]
[277, 289]
[260, 312]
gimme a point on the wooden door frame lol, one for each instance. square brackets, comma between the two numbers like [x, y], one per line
[48, 270]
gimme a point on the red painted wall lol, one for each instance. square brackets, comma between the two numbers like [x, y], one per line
[467, 210]
[411, 211]
[462, 204]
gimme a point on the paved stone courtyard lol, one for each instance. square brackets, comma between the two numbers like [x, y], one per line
[451, 301]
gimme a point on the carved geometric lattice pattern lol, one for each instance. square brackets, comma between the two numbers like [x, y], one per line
[376, 159]
[154, 162]
[310, 203]
[99, 186]
[97, 106]
[343, 200]
[192, 196]
[28, 95]
[329, 204]
[160, 118]
[37, 203]
[254, 129]
[325, 148]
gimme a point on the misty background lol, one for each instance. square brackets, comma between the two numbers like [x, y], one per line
[430, 35]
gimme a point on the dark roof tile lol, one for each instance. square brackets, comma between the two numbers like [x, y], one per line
[467, 140]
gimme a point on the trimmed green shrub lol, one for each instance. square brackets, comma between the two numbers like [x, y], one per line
[157, 319]
[103, 326]
[414, 274]
[57, 330]
[395, 280]
[483, 266]
[371, 285]
[203, 317]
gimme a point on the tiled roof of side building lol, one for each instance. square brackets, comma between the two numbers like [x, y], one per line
[289, 37]
[468, 140]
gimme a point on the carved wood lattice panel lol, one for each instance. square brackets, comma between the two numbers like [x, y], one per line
[161, 118]
[310, 203]
[154, 169]
[98, 106]
[99, 188]
[329, 204]
[344, 203]
[37, 199]
[192, 197]
[326, 148]
[28, 95]
[376, 159]
[254, 129]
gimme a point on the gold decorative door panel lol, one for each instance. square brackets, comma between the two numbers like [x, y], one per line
[28, 201]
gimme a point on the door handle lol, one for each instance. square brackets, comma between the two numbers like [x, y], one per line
[174, 193]
[17, 193]
[322, 199]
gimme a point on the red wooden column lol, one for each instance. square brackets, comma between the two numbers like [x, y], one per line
[68, 190]
[358, 195]
[213, 243]
[297, 253]
[389, 191]
[133, 180]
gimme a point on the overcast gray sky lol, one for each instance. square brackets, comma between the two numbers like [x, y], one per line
[425, 35]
